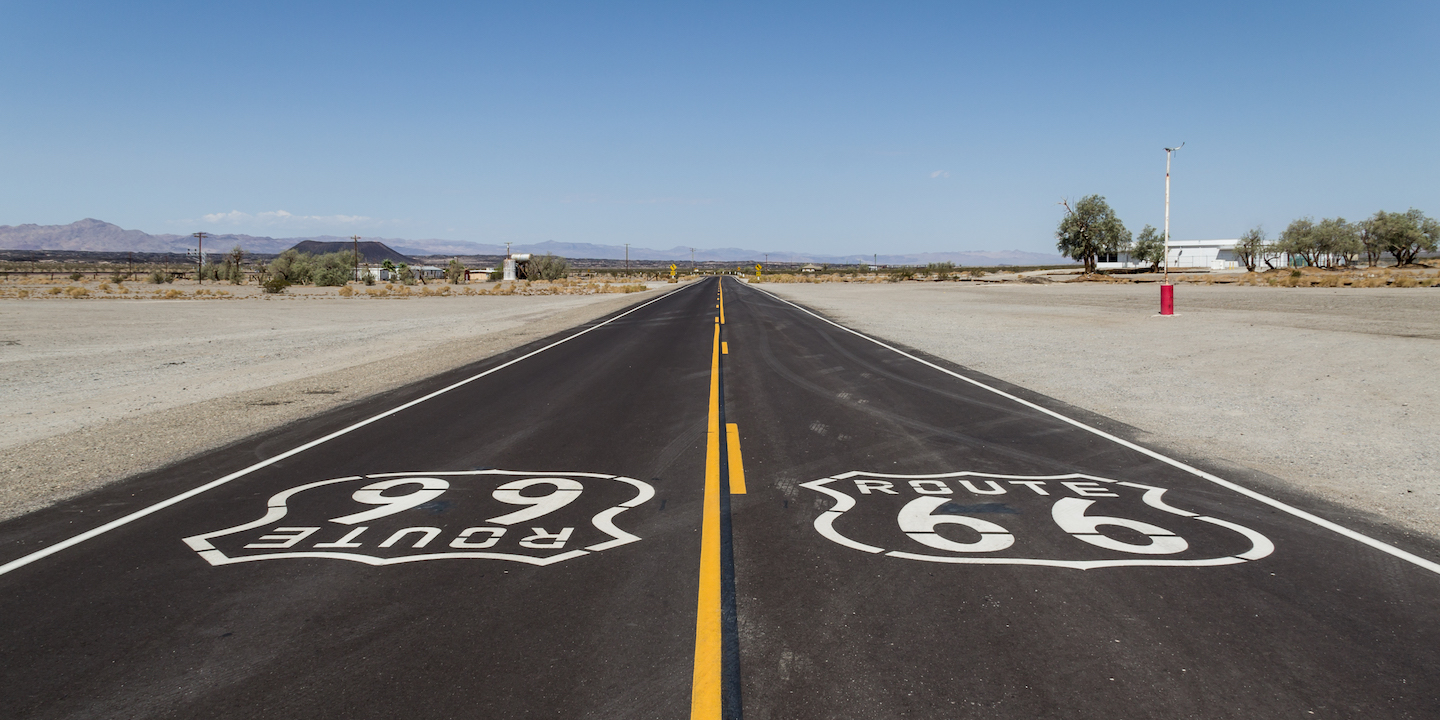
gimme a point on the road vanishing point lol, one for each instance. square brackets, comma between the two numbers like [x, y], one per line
[713, 504]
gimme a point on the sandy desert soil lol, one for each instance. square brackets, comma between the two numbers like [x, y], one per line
[1332, 391]
[96, 390]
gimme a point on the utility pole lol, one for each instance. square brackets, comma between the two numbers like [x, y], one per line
[200, 256]
[356, 240]
[692, 260]
[627, 258]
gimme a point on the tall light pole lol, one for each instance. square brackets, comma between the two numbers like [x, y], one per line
[627, 258]
[1168, 153]
[1167, 291]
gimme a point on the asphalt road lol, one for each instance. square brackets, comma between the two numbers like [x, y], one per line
[659, 516]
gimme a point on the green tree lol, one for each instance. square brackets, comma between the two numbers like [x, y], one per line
[547, 267]
[1089, 229]
[1337, 240]
[1251, 247]
[333, 269]
[1149, 246]
[455, 272]
[1405, 235]
[405, 274]
[234, 266]
[1299, 239]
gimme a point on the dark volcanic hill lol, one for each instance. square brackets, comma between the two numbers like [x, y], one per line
[370, 252]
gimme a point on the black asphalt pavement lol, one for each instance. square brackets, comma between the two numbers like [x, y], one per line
[566, 531]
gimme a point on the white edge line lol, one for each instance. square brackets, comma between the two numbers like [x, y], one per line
[132, 517]
[1297, 512]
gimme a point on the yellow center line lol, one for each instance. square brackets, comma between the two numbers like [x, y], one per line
[705, 691]
[724, 348]
[722, 302]
[737, 467]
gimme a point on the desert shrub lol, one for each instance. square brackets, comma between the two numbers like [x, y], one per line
[118, 277]
[547, 267]
[160, 277]
[346, 291]
[75, 277]
[899, 274]
[275, 284]
[1405, 281]
[940, 270]
[55, 290]
[405, 275]
[369, 278]
[104, 287]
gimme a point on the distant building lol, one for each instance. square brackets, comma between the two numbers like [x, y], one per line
[1189, 254]
[809, 268]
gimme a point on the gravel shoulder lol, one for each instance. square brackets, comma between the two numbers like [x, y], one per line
[1330, 391]
[96, 391]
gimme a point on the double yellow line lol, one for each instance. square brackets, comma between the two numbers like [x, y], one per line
[705, 698]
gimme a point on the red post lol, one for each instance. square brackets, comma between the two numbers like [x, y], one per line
[1167, 299]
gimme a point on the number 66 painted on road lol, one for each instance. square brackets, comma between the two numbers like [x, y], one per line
[919, 522]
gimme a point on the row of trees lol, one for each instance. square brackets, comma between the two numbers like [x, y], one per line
[1091, 228]
[1334, 241]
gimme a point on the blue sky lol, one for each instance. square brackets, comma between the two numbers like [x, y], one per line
[814, 127]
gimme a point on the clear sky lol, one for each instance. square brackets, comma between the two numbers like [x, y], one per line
[825, 127]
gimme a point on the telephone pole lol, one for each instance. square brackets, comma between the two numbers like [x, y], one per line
[692, 260]
[356, 240]
[627, 258]
[200, 256]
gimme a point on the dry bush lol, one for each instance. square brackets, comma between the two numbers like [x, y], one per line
[56, 290]
[104, 287]
[1405, 281]
[346, 291]
[76, 292]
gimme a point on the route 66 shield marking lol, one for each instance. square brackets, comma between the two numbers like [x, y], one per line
[1072, 521]
[392, 518]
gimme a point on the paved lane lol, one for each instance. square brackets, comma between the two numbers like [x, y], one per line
[134, 623]
[660, 516]
[888, 608]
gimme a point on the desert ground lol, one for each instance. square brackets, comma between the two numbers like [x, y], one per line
[98, 389]
[1330, 392]
[1327, 391]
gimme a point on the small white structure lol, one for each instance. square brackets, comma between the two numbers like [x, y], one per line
[1191, 254]
[809, 268]
[512, 261]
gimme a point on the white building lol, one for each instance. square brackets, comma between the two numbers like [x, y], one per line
[1189, 254]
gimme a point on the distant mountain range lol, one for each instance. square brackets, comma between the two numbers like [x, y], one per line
[98, 236]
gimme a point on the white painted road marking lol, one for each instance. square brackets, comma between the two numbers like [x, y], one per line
[138, 514]
[1297, 512]
[1038, 521]
[458, 508]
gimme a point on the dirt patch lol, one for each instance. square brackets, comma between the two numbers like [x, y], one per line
[101, 391]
